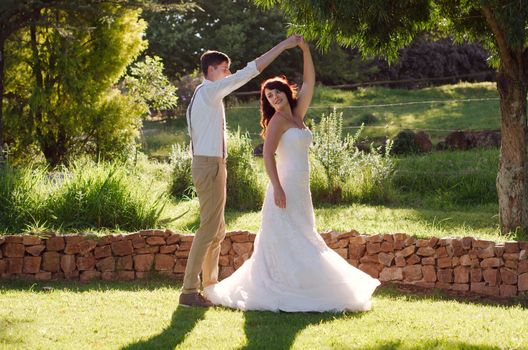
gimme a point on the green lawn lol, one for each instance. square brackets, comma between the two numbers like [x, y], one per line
[480, 111]
[478, 221]
[145, 315]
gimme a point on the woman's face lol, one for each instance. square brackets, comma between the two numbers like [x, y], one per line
[277, 99]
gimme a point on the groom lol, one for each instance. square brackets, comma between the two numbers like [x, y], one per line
[206, 124]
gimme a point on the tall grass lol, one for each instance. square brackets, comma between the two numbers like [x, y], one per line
[85, 195]
[105, 195]
[22, 197]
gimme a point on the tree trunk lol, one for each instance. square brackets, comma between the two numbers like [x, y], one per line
[512, 179]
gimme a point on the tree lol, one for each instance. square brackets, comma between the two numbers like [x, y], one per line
[147, 84]
[66, 65]
[25, 18]
[243, 31]
[380, 27]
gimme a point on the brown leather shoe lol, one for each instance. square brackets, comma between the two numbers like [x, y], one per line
[194, 299]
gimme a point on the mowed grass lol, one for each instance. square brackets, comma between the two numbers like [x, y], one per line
[145, 315]
[479, 221]
[431, 109]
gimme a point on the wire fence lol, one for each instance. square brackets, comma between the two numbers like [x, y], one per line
[387, 82]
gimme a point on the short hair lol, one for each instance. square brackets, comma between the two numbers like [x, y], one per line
[213, 58]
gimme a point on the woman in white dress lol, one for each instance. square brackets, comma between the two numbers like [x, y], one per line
[291, 269]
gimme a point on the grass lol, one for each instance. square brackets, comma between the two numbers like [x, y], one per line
[478, 221]
[444, 179]
[435, 117]
[145, 315]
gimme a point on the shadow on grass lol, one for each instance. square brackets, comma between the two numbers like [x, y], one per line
[182, 323]
[387, 290]
[269, 330]
[429, 344]
[86, 287]
[414, 293]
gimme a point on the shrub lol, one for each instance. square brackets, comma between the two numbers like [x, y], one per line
[351, 175]
[245, 188]
[405, 142]
[181, 161]
[318, 182]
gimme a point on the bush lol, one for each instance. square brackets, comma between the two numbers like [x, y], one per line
[351, 175]
[405, 142]
[318, 182]
[432, 61]
[22, 197]
[181, 161]
[245, 188]
[105, 195]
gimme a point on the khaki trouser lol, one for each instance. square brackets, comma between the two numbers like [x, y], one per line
[209, 176]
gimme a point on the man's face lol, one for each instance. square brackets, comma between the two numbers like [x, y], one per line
[218, 72]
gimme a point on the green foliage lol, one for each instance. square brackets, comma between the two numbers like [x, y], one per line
[22, 197]
[331, 149]
[105, 195]
[245, 188]
[243, 32]
[147, 84]
[375, 27]
[405, 142]
[60, 86]
[381, 27]
[181, 161]
[449, 178]
[352, 175]
[84, 195]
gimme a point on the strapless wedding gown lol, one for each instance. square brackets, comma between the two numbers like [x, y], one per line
[292, 269]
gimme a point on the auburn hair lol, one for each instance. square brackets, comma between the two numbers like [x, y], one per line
[266, 109]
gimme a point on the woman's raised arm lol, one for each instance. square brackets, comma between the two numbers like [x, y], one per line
[304, 98]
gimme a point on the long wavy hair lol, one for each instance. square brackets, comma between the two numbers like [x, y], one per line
[266, 110]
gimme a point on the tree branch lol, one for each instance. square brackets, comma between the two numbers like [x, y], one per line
[504, 51]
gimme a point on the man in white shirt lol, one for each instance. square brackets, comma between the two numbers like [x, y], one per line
[206, 122]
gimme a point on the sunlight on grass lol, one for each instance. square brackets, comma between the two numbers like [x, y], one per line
[144, 315]
[478, 221]
[473, 115]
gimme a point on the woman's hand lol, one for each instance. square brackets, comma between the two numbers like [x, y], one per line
[303, 45]
[292, 41]
[280, 197]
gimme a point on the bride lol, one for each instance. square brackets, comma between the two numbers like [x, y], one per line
[291, 269]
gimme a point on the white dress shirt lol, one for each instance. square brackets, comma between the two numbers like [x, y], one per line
[206, 114]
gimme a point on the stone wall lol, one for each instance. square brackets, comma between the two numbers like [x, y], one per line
[462, 264]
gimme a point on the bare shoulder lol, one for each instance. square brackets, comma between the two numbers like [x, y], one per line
[277, 124]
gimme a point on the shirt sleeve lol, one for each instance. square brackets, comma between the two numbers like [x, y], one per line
[221, 88]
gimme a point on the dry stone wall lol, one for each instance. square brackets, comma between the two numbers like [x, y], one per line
[462, 264]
